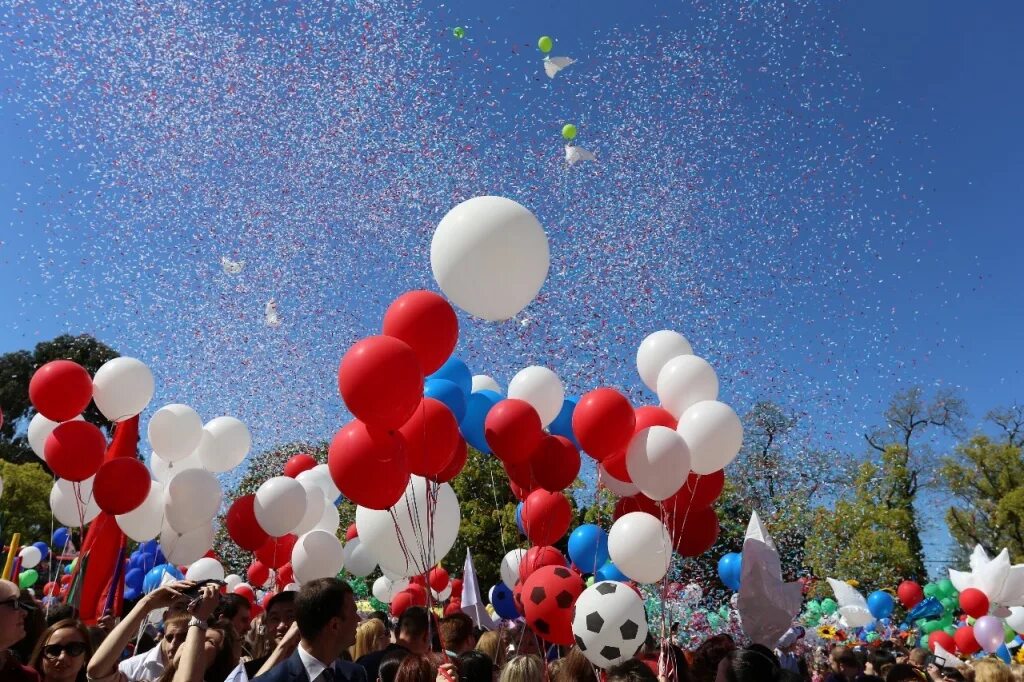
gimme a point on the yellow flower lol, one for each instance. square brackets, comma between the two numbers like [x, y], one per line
[827, 632]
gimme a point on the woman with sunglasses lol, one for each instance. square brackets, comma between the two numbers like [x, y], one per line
[63, 652]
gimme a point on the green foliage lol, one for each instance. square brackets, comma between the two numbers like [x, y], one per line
[25, 503]
[16, 371]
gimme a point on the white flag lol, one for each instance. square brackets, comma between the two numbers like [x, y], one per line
[472, 603]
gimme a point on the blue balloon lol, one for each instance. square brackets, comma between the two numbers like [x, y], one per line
[588, 548]
[455, 371]
[927, 608]
[133, 578]
[43, 549]
[448, 393]
[562, 425]
[881, 604]
[730, 568]
[472, 425]
[870, 627]
[503, 602]
[156, 575]
[610, 572]
[519, 518]
[60, 539]
[131, 594]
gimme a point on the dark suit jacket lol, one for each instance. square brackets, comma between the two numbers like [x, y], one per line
[292, 670]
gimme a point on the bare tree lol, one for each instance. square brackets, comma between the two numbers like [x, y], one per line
[1010, 421]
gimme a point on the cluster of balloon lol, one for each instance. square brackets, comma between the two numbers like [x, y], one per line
[29, 557]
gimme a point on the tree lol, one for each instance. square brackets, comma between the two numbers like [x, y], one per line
[16, 371]
[25, 505]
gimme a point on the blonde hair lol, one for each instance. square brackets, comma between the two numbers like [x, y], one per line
[991, 670]
[1017, 671]
[366, 637]
[525, 668]
[488, 643]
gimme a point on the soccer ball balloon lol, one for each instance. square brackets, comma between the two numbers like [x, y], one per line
[609, 624]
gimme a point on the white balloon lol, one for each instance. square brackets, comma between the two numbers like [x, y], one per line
[39, 429]
[145, 521]
[482, 382]
[317, 554]
[205, 568]
[122, 388]
[30, 556]
[292, 587]
[359, 560]
[609, 623]
[640, 546]
[164, 471]
[657, 349]
[184, 548]
[1016, 618]
[70, 507]
[174, 432]
[320, 476]
[713, 433]
[685, 381]
[315, 503]
[540, 387]
[490, 256]
[403, 538]
[385, 589]
[192, 499]
[330, 520]
[443, 594]
[231, 581]
[510, 567]
[226, 441]
[280, 505]
[620, 488]
[658, 462]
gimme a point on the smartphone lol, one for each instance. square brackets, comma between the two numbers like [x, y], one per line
[935, 660]
[198, 587]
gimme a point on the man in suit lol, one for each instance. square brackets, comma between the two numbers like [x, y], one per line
[325, 622]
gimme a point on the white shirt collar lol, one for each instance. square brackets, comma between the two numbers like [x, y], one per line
[312, 664]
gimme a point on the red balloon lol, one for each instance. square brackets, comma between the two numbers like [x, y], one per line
[615, 464]
[51, 589]
[555, 463]
[351, 533]
[974, 602]
[539, 557]
[74, 450]
[296, 464]
[258, 573]
[513, 430]
[519, 491]
[369, 466]
[121, 485]
[418, 593]
[276, 552]
[453, 608]
[637, 503]
[517, 596]
[522, 476]
[381, 381]
[603, 422]
[456, 584]
[427, 323]
[546, 517]
[699, 491]
[285, 575]
[431, 437]
[548, 597]
[695, 532]
[965, 641]
[242, 525]
[459, 458]
[60, 390]
[649, 415]
[400, 602]
[247, 592]
[939, 637]
[910, 594]
[418, 579]
[438, 579]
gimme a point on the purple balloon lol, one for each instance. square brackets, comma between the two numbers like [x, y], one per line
[988, 630]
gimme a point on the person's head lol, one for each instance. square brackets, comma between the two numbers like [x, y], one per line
[878, 659]
[489, 643]
[475, 666]
[222, 650]
[370, 636]
[325, 612]
[413, 631]
[383, 618]
[280, 614]
[991, 670]
[415, 668]
[235, 609]
[954, 675]
[175, 630]
[905, 672]
[575, 668]
[388, 667]
[708, 655]
[753, 664]
[12, 615]
[457, 633]
[1017, 672]
[528, 668]
[845, 662]
[918, 657]
[59, 612]
[62, 652]
[631, 670]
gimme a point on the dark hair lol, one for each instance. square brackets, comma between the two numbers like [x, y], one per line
[388, 667]
[708, 655]
[904, 672]
[230, 605]
[753, 664]
[455, 630]
[631, 670]
[286, 597]
[60, 612]
[382, 617]
[225, 660]
[415, 668]
[575, 667]
[413, 622]
[318, 602]
[69, 623]
[475, 666]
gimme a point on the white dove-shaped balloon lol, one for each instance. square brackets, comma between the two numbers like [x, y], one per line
[231, 267]
[270, 314]
[1001, 581]
[552, 65]
[852, 605]
[767, 605]
[574, 155]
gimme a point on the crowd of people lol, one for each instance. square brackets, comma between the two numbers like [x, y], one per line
[183, 632]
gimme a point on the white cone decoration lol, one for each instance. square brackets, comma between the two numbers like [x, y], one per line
[609, 623]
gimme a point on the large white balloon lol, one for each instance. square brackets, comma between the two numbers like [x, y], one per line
[232, 581]
[490, 257]
[206, 568]
[330, 520]
[39, 429]
[164, 471]
[174, 432]
[359, 560]
[317, 554]
[510, 567]
[315, 503]
[385, 589]
[145, 521]
[320, 476]
[713, 433]
[122, 388]
[657, 349]
[280, 505]
[609, 623]
[540, 387]
[191, 500]
[658, 462]
[620, 488]
[640, 546]
[225, 443]
[685, 381]
[403, 538]
[30, 556]
[482, 382]
[70, 507]
[184, 548]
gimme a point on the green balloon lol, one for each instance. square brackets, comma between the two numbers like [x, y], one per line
[931, 626]
[545, 43]
[949, 630]
[27, 578]
[931, 590]
[590, 581]
[812, 620]
[872, 636]
[569, 131]
[923, 643]
[948, 603]
[829, 606]
[946, 587]
[459, 32]
[1008, 634]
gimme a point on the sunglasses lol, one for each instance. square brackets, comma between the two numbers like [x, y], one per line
[55, 650]
[16, 605]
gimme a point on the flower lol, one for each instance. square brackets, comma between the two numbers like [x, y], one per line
[827, 632]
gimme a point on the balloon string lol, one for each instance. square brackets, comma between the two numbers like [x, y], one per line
[501, 521]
